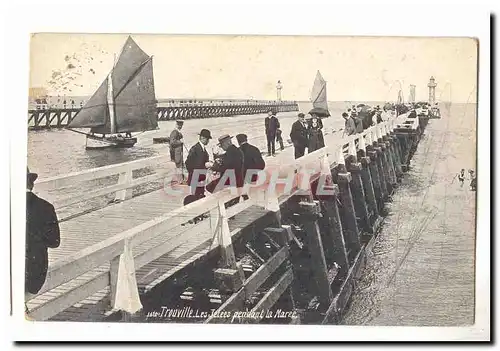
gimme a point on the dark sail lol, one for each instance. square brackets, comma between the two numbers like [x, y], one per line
[318, 96]
[131, 98]
[129, 61]
[135, 105]
[95, 112]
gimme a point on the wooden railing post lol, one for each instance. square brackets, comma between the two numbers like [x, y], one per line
[399, 151]
[375, 154]
[229, 276]
[310, 213]
[404, 147]
[334, 234]
[395, 156]
[351, 230]
[124, 178]
[374, 171]
[357, 189]
[389, 156]
[368, 187]
[124, 291]
[384, 169]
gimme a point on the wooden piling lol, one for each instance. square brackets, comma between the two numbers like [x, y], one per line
[396, 157]
[334, 232]
[384, 168]
[357, 190]
[376, 179]
[310, 213]
[399, 150]
[368, 186]
[358, 195]
[390, 164]
[351, 232]
[403, 138]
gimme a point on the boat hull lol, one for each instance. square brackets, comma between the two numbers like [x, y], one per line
[97, 143]
[161, 140]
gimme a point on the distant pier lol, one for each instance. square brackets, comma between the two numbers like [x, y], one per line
[169, 109]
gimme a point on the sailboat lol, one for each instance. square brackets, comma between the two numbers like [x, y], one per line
[400, 104]
[124, 103]
[318, 97]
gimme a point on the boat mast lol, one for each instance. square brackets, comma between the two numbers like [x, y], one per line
[111, 100]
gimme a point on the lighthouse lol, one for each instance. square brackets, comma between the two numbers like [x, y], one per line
[279, 86]
[432, 91]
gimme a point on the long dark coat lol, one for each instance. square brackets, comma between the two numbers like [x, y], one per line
[42, 232]
[252, 159]
[196, 159]
[316, 140]
[272, 125]
[232, 161]
[299, 135]
[176, 148]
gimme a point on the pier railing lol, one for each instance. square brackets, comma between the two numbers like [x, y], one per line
[107, 265]
[53, 187]
[169, 110]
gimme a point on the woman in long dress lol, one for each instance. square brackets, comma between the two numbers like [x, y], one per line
[316, 140]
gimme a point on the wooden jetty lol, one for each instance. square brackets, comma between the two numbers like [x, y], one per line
[171, 109]
[258, 255]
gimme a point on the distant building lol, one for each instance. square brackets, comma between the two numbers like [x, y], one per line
[37, 96]
[38, 92]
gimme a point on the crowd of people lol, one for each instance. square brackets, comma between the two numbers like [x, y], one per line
[237, 160]
[357, 119]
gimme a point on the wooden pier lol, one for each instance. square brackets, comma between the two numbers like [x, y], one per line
[46, 118]
[258, 255]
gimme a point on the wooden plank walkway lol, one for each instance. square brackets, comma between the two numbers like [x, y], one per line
[94, 227]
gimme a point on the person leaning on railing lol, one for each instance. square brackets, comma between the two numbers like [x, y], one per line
[350, 126]
[42, 232]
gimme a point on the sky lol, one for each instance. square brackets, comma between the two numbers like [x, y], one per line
[248, 67]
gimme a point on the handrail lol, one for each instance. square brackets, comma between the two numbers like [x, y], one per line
[109, 250]
[121, 188]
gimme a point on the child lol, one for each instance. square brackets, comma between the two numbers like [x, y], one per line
[461, 177]
[473, 181]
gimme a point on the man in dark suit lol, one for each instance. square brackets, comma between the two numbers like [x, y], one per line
[42, 232]
[198, 160]
[252, 158]
[300, 135]
[272, 125]
[230, 165]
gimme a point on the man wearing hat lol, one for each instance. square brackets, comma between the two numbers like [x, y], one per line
[230, 167]
[42, 232]
[176, 148]
[198, 160]
[300, 135]
[271, 124]
[252, 158]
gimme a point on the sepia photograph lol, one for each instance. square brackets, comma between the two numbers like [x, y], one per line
[227, 179]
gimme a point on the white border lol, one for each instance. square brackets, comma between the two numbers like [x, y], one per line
[257, 17]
